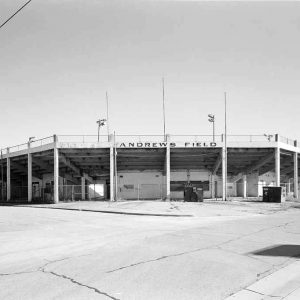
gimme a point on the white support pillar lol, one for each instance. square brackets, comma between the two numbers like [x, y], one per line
[82, 188]
[296, 175]
[8, 178]
[244, 186]
[168, 169]
[224, 174]
[111, 165]
[277, 166]
[56, 171]
[29, 174]
[213, 186]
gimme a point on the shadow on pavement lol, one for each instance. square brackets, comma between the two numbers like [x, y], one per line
[279, 250]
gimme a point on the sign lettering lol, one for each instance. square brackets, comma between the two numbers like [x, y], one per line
[165, 144]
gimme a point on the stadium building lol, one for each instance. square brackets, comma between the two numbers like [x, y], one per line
[60, 168]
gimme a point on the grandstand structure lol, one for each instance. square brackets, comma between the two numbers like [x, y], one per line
[148, 167]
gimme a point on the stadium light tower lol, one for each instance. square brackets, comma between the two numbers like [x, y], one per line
[211, 119]
[100, 122]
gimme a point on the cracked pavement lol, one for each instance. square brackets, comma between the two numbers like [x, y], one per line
[57, 254]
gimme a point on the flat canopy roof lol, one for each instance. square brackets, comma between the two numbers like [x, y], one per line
[151, 141]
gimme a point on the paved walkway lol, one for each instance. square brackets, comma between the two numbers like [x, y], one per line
[282, 284]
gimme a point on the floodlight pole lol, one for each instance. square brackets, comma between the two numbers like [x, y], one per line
[225, 142]
[107, 115]
[100, 122]
[211, 119]
[164, 114]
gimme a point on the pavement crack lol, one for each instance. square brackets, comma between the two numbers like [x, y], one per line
[157, 259]
[17, 273]
[43, 269]
[196, 250]
[33, 271]
[80, 284]
[272, 296]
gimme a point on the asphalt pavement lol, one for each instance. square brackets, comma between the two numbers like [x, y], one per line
[221, 250]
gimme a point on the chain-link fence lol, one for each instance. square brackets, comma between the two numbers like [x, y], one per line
[77, 192]
[142, 192]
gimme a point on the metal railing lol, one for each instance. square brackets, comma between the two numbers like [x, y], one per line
[288, 141]
[43, 141]
[150, 138]
[82, 138]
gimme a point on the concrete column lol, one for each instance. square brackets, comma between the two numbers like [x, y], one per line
[296, 175]
[213, 186]
[224, 174]
[8, 180]
[168, 169]
[56, 172]
[245, 186]
[111, 165]
[29, 174]
[277, 166]
[82, 188]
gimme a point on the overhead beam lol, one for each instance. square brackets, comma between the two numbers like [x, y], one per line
[74, 168]
[255, 167]
[70, 178]
[41, 163]
[23, 169]
[261, 163]
[217, 165]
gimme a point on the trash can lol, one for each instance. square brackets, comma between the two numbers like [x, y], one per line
[188, 191]
[272, 194]
[199, 193]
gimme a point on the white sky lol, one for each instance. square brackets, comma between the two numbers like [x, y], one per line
[57, 59]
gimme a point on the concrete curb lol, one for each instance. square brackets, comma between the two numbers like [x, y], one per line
[110, 211]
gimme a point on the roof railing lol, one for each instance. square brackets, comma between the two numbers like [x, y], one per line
[151, 138]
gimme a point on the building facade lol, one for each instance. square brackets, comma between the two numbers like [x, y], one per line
[124, 167]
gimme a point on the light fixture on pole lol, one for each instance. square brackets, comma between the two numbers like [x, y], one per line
[211, 119]
[268, 136]
[30, 140]
[100, 122]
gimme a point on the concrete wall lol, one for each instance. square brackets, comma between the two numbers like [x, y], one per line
[195, 175]
[240, 188]
[141, 185]
[252, 185]
[152, 184]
